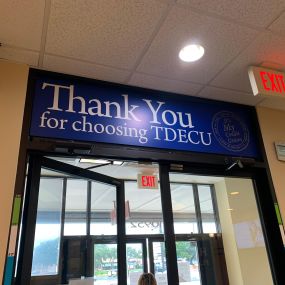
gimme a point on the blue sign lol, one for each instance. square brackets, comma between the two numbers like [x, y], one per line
[99, 112]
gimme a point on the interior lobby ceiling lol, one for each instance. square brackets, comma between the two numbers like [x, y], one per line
[136, 42]
[129, 170]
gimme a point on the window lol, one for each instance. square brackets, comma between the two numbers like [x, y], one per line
[48, 227]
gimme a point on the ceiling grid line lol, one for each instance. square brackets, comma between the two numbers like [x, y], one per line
[46, 17]
[279, 15]
[219, 17]
[150, 41]
[17, 47]
[167, 78]
[86, 61]
[234, 22]
[232, 60]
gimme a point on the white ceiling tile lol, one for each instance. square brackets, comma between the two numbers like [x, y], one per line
[163, 84]
[254, 12]
[222, 42]
[109, 32]
[80, 68]
[21, 23]
[278, 25]
[19, 55]
[266, 48]
[274, 103]
[229, 96]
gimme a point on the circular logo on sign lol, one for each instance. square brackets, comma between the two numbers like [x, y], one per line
[230, 131]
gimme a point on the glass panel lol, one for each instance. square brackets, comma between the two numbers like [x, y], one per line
[207, 209]
[105, 264]
[134, 262]
[188, 263]
[75, 207]
[183, 205]
[159, 261]
[143, 205]
[241, 243]
[243, 238]
[103, 209]
[48, 227]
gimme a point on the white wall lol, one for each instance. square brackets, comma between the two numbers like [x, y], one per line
[230, 247]
[246, 256]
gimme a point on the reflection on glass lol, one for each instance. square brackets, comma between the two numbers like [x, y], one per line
[48, 227]
[183, 205]
[105, 264]
[159, 261]
[188, 263]
[75, 207]
[207, 209]
[145, 213]
[103, 209]
[134, 262]
[243, 238]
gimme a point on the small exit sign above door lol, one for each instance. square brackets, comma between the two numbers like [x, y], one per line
[146, 181]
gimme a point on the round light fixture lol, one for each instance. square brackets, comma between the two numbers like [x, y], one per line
[191, 53]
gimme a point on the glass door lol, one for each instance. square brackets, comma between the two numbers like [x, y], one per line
[105, 260]
[188, 262]
[146, 254]
[157, 260]
[82, 226]
[218, 231]
[65, 206]
[136, 252]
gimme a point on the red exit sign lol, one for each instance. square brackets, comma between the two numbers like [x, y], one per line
[267, 82]
[146, 181]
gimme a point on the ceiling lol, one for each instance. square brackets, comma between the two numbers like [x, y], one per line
[136, 42]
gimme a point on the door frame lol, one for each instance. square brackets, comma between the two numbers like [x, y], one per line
[265, 206]
[36, 163]
[142, 241]
[258, 174]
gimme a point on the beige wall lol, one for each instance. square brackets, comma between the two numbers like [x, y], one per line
[272, 128]
[13, 83]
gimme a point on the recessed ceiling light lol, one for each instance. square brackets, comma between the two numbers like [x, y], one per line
[191, 53]
[230, 209]
[234, 193]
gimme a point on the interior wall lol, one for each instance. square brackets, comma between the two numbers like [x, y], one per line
[230, 247]
[272, 128]
[13, 84]
[246, 256]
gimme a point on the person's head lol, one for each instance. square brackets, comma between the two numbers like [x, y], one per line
[147, 279]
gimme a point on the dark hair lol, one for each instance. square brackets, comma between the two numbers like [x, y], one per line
[147, 279]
